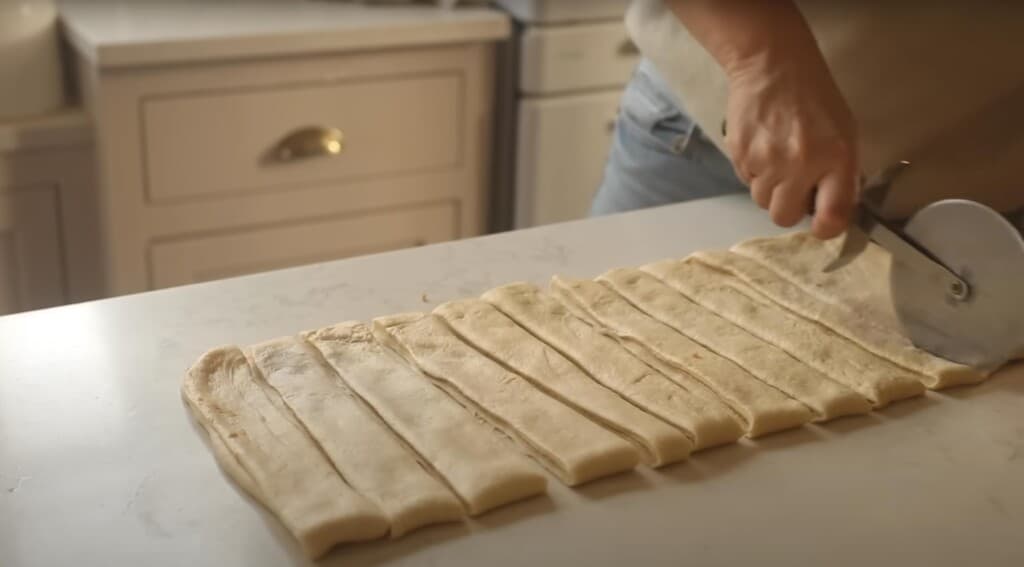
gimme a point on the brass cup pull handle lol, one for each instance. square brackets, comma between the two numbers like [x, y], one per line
[309, 142]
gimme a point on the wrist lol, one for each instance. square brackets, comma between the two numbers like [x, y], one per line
[771, 56]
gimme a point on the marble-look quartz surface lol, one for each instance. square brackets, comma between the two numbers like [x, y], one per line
[119, 33]
[101, 465]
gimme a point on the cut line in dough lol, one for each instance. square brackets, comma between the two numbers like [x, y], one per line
[888, 343]
[707, 421]
[862, 285]
[283, 467]
[764, 409]
[476, 461]
[875, 378]
[492, 332]
[571, 446]
[363, 449]
[827, 398]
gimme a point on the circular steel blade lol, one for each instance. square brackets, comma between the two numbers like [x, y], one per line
[986, 251]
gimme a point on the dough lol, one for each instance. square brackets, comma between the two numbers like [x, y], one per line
[768, 275]
[273, 458]
[886, 343]
[873, 377]
[709, 422]
[366, 453]
[490, 331]
[571, 446]
[477, 463]
[762, 407]
[862, 285]
[771, 365]
[639, 350]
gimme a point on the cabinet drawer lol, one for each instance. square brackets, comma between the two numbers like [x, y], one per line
[229, 142]
[562, 147]
[241, 252]
[31, 274]
[558, 59]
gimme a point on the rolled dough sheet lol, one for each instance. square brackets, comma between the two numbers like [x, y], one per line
[771, 365]
[283, 467]
[571, 446]
[476, 461]
[707, 421]
[763, 408]
[873, 377]
[884, 342]
[862, 285]
[492, 332]
[367, 454]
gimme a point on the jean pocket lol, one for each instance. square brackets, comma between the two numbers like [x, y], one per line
[655, 114]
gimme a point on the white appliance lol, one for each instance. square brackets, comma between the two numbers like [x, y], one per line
[563, 75]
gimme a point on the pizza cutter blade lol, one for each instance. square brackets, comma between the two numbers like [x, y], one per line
[977, 317]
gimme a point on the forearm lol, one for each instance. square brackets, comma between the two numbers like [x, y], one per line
[741, 33]
[792, 138]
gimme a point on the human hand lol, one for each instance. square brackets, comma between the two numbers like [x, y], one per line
[793, 139]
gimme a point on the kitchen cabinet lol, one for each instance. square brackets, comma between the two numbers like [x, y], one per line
[241, 252]
[31, 274]
[48, 215]
[562, 145]
[567, 68]
[239, 139]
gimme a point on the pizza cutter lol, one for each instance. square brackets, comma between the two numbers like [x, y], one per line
[957, 277]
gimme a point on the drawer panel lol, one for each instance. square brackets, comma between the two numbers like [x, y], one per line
[241, 252]
[559, 59]
[229, 142]
[562, 147]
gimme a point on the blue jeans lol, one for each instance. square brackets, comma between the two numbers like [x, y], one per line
[659, 155]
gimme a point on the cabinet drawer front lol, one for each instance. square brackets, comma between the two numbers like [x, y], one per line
[243, 252]
[558, 59]
[562, 147]
[231, 142]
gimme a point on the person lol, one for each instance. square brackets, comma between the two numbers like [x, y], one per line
[795, 101]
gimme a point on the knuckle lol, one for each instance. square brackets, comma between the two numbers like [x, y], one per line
[799, 152]
[845, 153]
[783, 215]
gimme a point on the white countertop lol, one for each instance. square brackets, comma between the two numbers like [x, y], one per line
[118, 33]
[100, 464]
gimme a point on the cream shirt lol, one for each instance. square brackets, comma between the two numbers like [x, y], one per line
[939, 83]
